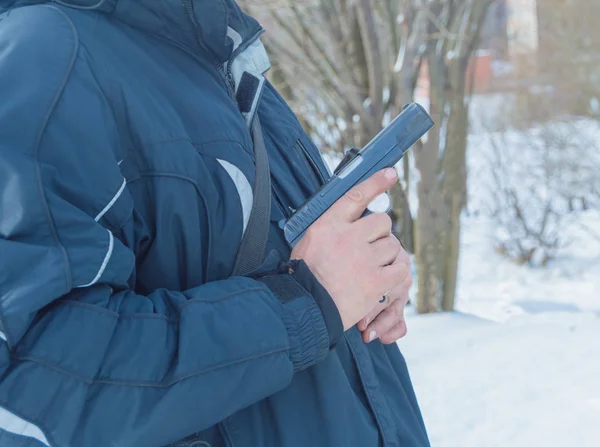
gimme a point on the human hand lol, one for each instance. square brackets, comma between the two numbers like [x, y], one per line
[353, 257]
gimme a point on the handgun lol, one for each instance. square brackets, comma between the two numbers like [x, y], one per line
[384, 151]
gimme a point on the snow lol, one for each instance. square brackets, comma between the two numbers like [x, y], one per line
[518, 363]
[534, 381]
[594, 105]
[492, 287]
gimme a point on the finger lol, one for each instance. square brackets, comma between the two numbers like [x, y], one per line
[393, 275]
[353, 204]
[398, 293]
[380, 307]
[385, 251]
[376, 225]
[385, 321]
[395, 334]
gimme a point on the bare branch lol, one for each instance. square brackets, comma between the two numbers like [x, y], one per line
[373, 55]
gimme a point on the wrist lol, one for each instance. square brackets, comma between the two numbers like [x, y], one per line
[302, 274]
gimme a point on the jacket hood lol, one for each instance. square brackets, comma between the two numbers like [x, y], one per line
[216, 25]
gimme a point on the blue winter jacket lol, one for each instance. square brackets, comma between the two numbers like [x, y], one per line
[126, 172]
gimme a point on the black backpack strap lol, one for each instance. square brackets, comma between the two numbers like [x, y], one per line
[254, 241]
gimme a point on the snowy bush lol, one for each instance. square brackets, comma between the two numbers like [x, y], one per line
[539, 180]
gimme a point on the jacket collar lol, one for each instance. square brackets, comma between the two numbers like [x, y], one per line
[190, 23]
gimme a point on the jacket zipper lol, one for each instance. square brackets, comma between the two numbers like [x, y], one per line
[245, 44]
[229, 84]
[228, 76]
[225, 73]
[312, 165]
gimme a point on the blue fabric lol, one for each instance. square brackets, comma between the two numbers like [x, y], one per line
[15, 440]
[119, 227]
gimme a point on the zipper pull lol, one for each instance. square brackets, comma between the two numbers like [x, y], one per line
[231, 80]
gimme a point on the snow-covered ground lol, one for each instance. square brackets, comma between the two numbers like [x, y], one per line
[518, 364]
[530, 382]
[493, 288]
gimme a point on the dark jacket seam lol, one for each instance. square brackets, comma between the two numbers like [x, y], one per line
[116, 228]
[222, 298]
[144, 174]
[187, 49]
[149, 316]
[194, 143]
[36, 150]
[249, 152]
[93, 7]
[109, 381]
[100, 310]
[191, 375]
[141, 175]
[361, 374]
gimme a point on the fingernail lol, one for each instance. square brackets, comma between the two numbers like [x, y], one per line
[390, 174]
[372, 336]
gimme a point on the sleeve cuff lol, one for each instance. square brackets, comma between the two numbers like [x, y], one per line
[294, 280]
[331, 315]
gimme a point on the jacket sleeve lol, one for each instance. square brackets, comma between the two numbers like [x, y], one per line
[85, 360]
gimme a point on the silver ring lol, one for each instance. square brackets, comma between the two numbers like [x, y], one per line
[385, 298]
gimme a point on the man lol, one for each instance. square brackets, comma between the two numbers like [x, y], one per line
[126, 165]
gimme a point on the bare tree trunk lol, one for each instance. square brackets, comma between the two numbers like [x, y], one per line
[374, 62]
[403, 216]
[452, 252]
[427, 237]
[429, 229]
[405, 79]
[454, 160]
[442, 189]
[454, 191]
